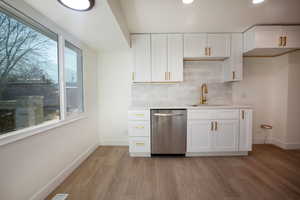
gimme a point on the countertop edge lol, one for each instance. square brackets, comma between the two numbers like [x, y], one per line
[132, 108]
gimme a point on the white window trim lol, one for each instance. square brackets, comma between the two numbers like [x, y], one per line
[38, 129]
[62, 37]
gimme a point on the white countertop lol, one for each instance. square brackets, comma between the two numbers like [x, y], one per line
[189, 107]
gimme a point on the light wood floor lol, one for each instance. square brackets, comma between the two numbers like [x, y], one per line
[269, 173]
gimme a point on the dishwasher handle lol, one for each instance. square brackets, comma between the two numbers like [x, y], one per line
[167, 115]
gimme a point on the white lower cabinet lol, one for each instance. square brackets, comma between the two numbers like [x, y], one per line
[210, 132]
[245, 139]
[225, 136]
[219, 132]
[199, 136]
[139, 145]
[139, 133]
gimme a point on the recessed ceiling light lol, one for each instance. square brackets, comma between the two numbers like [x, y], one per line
[257, 1]
[79, 5]
[187, 1]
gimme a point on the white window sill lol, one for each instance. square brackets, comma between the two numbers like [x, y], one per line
[30, 131]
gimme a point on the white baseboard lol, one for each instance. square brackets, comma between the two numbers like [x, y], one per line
[290, 146]
[277, 143]
[259, 140]
[284, 145]
[114, 142]
[57, 180]
[204, 154]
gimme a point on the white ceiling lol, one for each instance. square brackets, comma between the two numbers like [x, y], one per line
[206, 15]
[105, 27]
[98, 28]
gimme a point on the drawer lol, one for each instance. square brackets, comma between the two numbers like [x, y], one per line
[213, 114]
[139, 144]
[228, 114]
[139, 128]
[139, 115]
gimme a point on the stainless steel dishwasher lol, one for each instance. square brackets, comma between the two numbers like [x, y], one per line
[168, 131]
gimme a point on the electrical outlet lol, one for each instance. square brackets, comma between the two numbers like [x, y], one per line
[60, 197]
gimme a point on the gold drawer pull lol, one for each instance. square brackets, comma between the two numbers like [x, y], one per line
[212, 126]
[216, 126]
[139, 115]
[243, 114]
[140, 144]
[140, 127]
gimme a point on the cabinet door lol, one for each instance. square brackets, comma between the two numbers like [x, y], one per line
[226, 135]
[245, 141]
[142, 58]
[199, 136]
[159, 60]
[194, 45]
[175, 57]
[292, 34]
[219, 45]
[268, 37]
[233, 67]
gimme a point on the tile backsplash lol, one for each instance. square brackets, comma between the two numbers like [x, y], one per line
[187, 92]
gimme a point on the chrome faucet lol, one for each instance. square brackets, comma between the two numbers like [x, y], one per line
[204, 90]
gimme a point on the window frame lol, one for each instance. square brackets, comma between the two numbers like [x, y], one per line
[37, 21]
[82, 82]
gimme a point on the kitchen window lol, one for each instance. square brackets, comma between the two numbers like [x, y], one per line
[35, 87]
[73, 79]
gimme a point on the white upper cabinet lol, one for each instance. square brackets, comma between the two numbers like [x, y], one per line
[206, 46]
[159, 57]
[271, 40]
[218, 45]
[175, 57]
[195, 45]
[268, 37]
[141, 46]
[167, 57]
[233, 67]
[292, 34]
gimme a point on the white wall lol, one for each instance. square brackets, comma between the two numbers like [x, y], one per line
[114, 87]
[293, 114]
[30, 168]
[28, 165]
[271, 86]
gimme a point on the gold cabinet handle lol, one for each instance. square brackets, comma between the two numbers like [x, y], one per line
[140, 127]
[166, 75]
[280, 41]
[284, 41]
[233, 75]
[170, 76]
[212, 126]
[133, 76]
[216, 126]
[205, 51]
[209, 50]
[243, 115]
